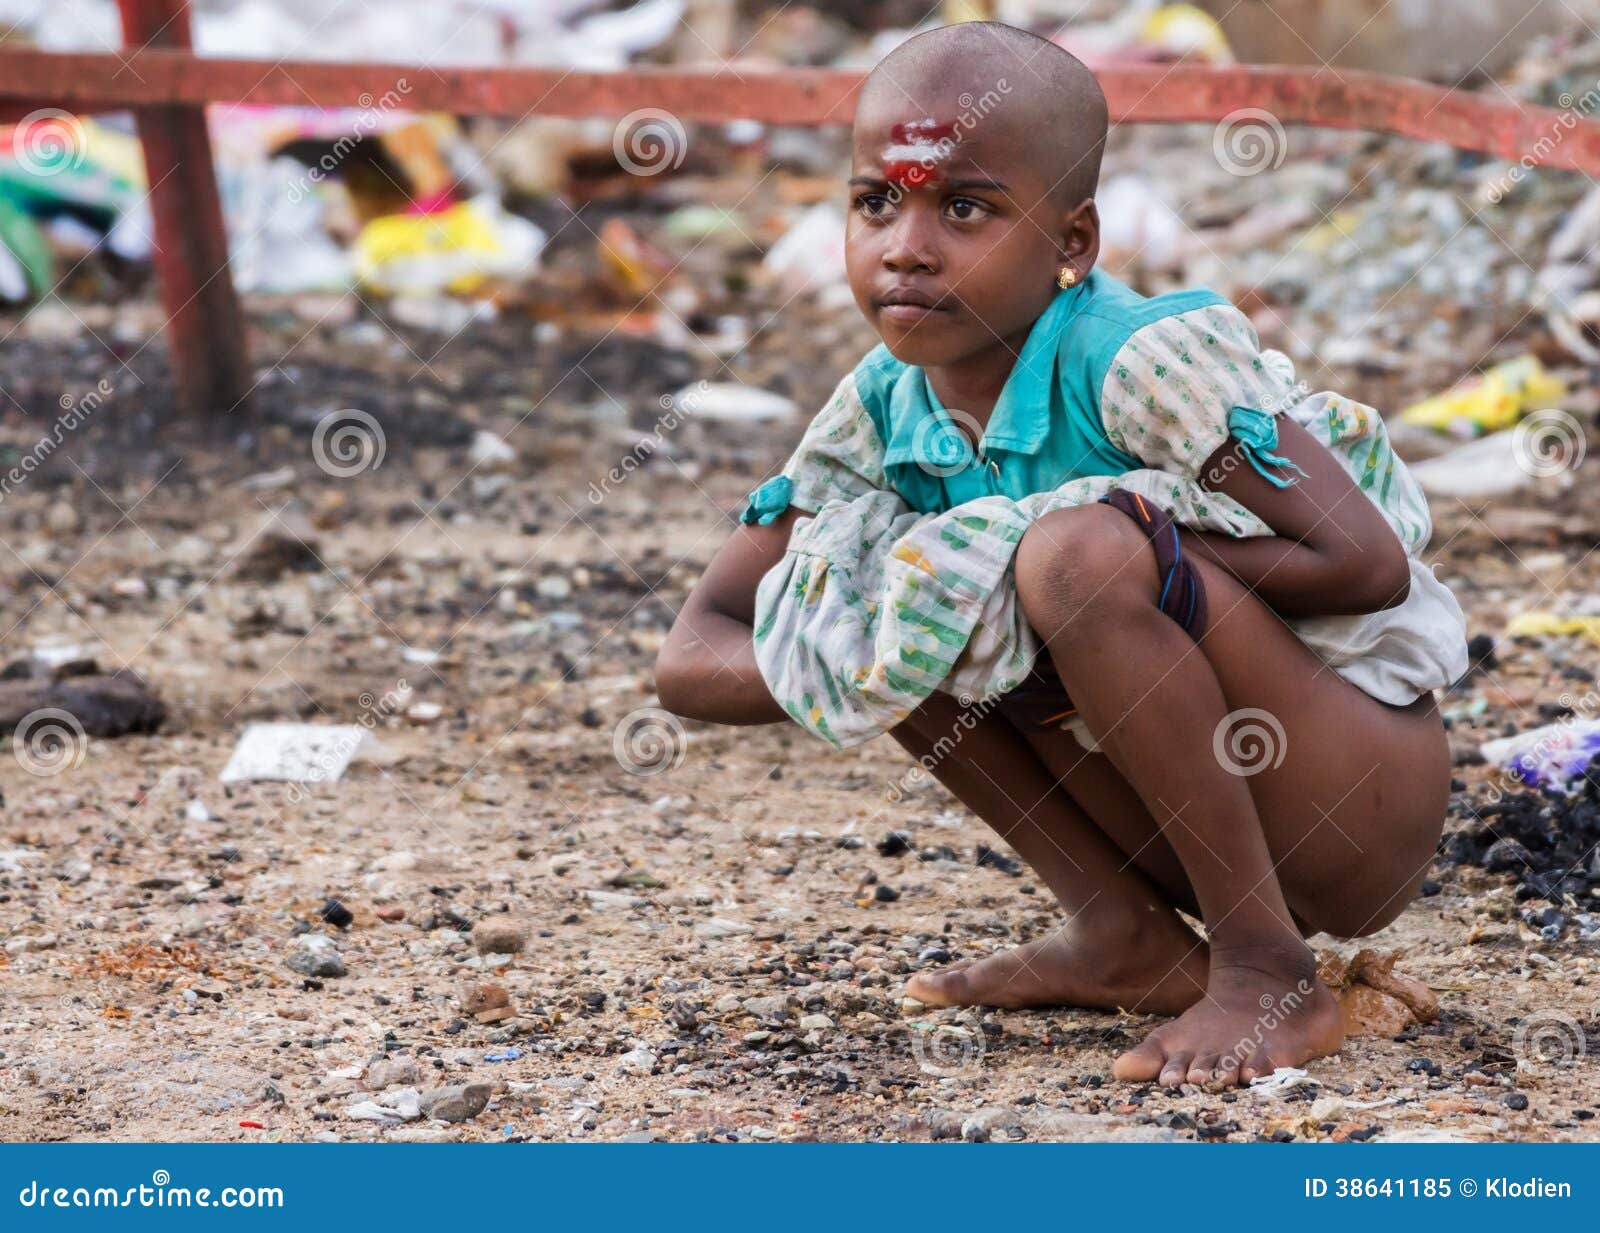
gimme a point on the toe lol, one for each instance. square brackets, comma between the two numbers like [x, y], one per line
[1201, 1070]
[1176, 1072]
[1141, 1063]
[1256, 1065]
[946, 987]
[1227, 1070]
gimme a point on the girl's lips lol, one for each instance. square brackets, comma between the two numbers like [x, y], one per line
[906, 313]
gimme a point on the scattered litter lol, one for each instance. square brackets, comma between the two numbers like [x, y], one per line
[1281, 1081]
[1542, 623]
[503, 1055]
[295, 753]
[1554, 756]
[1485, 468]
[390, 1108]
[454, 250]
[1496, 400]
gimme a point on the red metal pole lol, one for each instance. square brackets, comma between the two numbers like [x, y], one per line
[205, 327]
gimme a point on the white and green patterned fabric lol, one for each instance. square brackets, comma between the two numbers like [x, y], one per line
[900, 582]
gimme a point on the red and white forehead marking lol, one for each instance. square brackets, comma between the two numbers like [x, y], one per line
[916, 151]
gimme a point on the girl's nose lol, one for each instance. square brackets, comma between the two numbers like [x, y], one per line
[912, 247]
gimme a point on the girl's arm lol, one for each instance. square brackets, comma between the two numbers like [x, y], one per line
[1333, 552]
[707, 666]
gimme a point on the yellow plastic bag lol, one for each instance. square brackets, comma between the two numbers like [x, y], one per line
[454, 250]
[1544, 623]
[1496, 400]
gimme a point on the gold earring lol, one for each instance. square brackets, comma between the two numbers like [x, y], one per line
[1066, 278]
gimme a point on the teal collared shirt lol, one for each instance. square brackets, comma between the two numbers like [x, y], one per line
[1045, 429]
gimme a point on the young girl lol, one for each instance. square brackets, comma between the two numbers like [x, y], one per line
[1150, 610]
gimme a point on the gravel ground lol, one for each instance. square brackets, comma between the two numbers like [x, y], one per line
[618, 927]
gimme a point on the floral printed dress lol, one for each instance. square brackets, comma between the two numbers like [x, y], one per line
[900, 582]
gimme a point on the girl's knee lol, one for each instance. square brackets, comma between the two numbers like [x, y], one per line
[1071, 560]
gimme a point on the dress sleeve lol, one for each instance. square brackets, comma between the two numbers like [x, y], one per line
[1180, 386]
[839, 458]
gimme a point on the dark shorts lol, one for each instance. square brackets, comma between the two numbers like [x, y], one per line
[1040, 701]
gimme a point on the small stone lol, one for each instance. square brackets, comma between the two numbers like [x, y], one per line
[480, 998]
[1516, 1100]
[392, 1072]
[314, 954]
[640, 1059]
[458, 1103]
[815, 1023]
[499, 937]
[336, 914]
[719, 927]
[62, 518]
[774, 1008]
[391, 914]
[754, 1039]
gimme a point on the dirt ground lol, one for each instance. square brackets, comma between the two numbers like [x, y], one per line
[715, 946]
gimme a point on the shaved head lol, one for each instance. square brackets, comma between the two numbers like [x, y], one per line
[1047, 98]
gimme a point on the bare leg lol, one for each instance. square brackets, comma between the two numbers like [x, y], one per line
[1338, 820]
[1121, 947]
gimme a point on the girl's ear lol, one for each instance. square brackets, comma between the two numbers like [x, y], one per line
[1079, 232]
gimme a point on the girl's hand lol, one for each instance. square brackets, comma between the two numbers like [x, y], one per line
[707, 666]
[1333, 553]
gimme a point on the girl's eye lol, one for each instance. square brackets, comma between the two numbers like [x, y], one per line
[873, 205]
[965, 209]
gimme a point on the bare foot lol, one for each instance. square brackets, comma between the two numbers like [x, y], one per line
[1255, 1017]
[1154, 963]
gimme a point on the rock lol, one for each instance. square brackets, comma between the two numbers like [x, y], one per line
[769, 1009]
[640, 1059]
[314, 954]
[490, 452]
[718, 927]
[458, 1103]
[392, 1072]
[96, 706]
[283, 543]
[815, 1023]
[390, 914]
[401, 1105]
[480, 998]
[499, 936]
[62, 518]
[336, 914]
